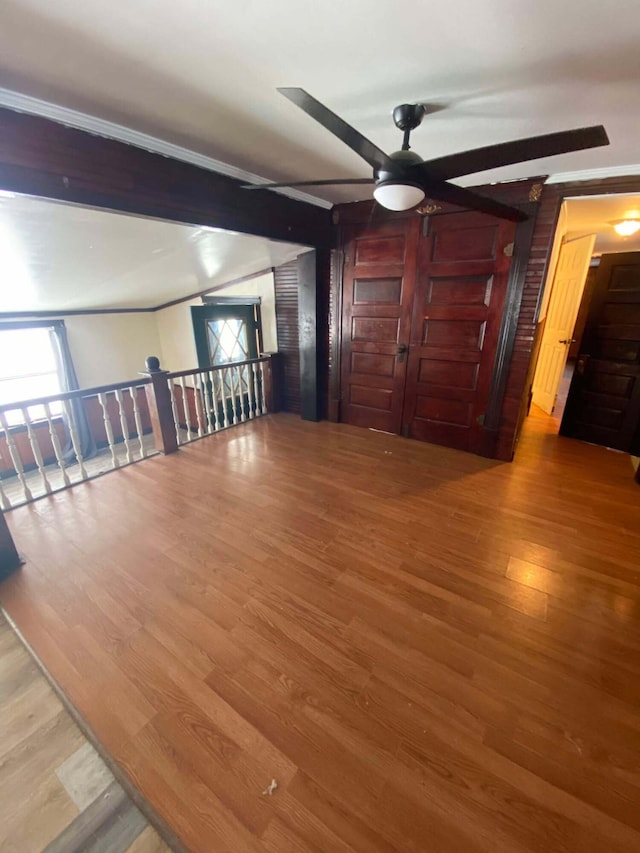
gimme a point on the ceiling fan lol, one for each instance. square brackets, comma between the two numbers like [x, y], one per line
[403, 179]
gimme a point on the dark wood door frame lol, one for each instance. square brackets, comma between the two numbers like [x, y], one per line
[509, 402]
[523, 363]
[524, 193]
[508, 332]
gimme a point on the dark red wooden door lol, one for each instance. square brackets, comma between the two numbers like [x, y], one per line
[603, 406]
[460, 292]
[377, 300]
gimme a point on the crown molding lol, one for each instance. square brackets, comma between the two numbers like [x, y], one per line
[594, 174]
[92, 124]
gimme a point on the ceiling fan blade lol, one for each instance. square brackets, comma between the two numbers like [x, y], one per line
[518, 151]
[309, 183]
[334, 124]
[443, 191]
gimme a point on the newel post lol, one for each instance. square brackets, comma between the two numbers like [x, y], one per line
[159, 402]
[9, 557]
[273, 382]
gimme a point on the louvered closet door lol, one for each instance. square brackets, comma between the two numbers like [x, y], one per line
[461, 283]
[378, 282]
[285, 278]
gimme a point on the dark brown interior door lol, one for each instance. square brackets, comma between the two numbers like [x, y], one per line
[378, 282]
[603, 406]
[459, 298]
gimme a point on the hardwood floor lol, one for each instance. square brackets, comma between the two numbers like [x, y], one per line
[57, 795]
[428, 651]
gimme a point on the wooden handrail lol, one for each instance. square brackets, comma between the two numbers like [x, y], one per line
[119, 386]
[177, 374]
[73, 395]
[49, 452]
[174, 418]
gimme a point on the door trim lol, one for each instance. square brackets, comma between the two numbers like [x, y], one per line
[508, 330]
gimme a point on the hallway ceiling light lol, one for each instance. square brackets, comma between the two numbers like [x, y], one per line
[626, 227]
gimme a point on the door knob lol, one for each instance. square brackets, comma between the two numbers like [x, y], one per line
[568, 341]
[402, 351]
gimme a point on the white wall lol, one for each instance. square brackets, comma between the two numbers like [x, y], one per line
[175, 332]
[111, 347]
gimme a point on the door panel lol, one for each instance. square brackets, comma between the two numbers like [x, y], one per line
[568, 287]
[460, 290]
[603, 406]
[378, 286]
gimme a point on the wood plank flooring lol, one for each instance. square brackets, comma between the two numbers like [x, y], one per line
[426, 650]
[55, 792]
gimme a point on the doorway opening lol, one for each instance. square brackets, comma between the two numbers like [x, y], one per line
[587, 376]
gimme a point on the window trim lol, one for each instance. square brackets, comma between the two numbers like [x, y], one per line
[17, 325]
[13, 325]
[199, 319]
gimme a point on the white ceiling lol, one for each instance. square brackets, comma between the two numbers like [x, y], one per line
[594, 215]
[203, 75]
[62, 257]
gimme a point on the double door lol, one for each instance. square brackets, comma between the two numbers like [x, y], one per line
[421, 314]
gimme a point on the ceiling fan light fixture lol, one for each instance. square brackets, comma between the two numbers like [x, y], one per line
[626, 227]
[398, 196]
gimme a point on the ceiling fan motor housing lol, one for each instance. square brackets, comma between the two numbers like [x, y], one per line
[402, 162]
[408, 116]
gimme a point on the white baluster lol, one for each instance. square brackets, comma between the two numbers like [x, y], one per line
[198, 398]
[55, 443]
[174, 409]
[232, 389]
[185, 407]
[16, 459]
[35, 450]
[240, 372]
[215, 399]
[256, 386]
[124, 426]
[75, 440]
[204, 403]
[108, 429]
[133, 391]
[250, 391]
[264, 394]
[223, 397]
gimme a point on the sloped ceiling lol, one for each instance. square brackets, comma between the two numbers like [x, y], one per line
[61, 257]
[203, 75]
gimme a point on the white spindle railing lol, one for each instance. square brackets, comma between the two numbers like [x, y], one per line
[46, 444]
[221, 396]
[43, 454]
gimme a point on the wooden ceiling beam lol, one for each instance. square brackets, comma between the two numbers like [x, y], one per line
[43, 158]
